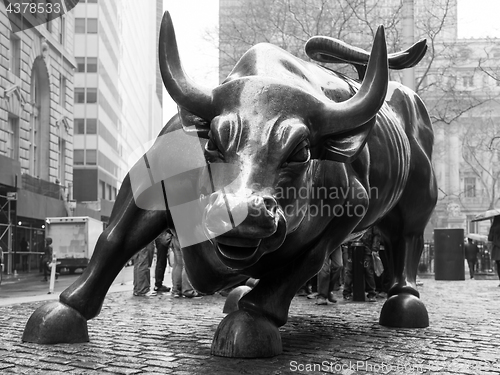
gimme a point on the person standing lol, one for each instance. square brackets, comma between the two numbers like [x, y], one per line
[162, 243]
[47, 258]
[471, 251]
[142, 264]
[371, 242]
[181, 286]
[494, 238]
[329, 277]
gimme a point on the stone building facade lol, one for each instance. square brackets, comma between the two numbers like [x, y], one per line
[36, 126]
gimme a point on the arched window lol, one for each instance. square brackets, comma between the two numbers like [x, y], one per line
[40, 120]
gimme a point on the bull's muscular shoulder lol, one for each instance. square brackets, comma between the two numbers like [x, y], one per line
[268, 60]
[407, 104]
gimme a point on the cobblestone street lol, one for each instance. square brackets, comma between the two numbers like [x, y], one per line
[162, 335]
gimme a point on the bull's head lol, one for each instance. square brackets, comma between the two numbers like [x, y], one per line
[271, 131]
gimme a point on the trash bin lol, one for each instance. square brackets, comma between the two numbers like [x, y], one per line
[449, 256]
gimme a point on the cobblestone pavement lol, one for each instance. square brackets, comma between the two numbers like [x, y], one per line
[162, 335]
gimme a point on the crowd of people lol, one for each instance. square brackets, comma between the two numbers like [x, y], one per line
[336, 273]
[168, 250]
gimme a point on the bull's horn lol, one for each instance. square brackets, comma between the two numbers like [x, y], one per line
[330, 50]
[186, 93]
[365, 104]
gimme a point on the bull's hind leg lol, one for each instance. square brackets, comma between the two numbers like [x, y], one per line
[129, 231]
[403, 307]
[404, 228]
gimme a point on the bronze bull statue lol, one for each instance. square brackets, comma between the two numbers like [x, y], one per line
[296, 160]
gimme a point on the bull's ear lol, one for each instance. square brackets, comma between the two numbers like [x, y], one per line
[194, 125]
[345, 147]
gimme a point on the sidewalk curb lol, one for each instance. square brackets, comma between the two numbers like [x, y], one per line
[118, 287]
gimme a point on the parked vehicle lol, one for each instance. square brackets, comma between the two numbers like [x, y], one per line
[73, 240]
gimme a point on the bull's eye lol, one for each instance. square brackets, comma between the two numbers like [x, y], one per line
[299, 155]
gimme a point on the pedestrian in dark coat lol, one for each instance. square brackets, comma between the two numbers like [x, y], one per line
[494, 238]
[371, 242]
[47, 258]
[162, 243]
[471, 251]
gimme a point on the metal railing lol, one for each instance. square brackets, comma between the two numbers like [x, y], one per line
[42, 187]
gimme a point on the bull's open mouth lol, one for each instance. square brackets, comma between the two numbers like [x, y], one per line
[237, 248]
[239, 252]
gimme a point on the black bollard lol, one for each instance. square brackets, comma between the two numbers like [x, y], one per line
[358, 273]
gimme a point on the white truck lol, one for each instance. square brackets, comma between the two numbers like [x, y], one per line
[73, 240]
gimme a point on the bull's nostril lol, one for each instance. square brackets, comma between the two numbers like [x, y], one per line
[271, 204]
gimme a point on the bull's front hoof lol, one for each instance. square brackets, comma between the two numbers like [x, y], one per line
[55, 323]
[243, 334]
[404, 311]
[233, 297]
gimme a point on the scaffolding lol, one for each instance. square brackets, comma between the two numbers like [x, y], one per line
[6, 230]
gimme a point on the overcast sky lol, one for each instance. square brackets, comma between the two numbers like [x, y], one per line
[191, 18]
[478, 18]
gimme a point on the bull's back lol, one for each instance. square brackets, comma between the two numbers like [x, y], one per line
[401, 137]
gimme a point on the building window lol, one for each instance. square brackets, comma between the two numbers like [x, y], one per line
[468, 81]
[85, 126]
[452, 80]
[80, 64]
[473, 225]
[78, 157]
[91, 95]
[79, 25]
[108, 192]
[102, 189]
[79, 126]
[470, 187]
[62, 30]
[91, 157]
[79, 95]
[62, 161]
[88, 95]
[91, 126]
[92, 25]
[12, 144]
[15, 54]
[91, 64]
[62, 97]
